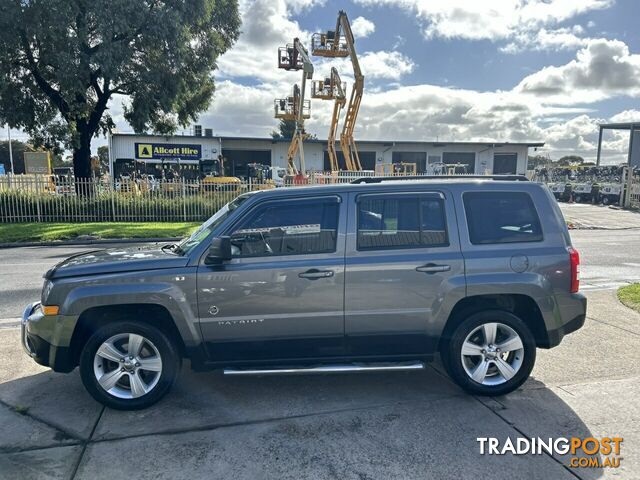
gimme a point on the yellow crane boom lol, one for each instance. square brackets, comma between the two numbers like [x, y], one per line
[295, 57]
[331, 88]
[331, 44]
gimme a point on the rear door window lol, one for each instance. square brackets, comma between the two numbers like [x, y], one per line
[501, 217]
[393, 221]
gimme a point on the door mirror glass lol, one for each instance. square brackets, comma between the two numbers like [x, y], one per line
[219, 251]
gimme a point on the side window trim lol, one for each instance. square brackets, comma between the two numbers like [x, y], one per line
[419, 196]
[287, 200]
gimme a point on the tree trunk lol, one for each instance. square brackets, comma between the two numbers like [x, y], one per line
[82, 162]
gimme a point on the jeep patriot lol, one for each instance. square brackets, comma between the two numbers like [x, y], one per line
[375, 275]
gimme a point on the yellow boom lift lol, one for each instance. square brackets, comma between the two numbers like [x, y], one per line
[294, 56]
[340, 43]
[331, 88]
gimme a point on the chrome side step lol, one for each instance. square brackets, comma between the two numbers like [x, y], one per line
[351, 367]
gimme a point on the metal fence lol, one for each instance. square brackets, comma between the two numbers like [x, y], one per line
[41, 198]
[633, 187]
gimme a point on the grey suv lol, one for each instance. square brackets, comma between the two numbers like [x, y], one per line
[375, 275]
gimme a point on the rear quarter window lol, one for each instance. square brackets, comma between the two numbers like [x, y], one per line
[501, 217]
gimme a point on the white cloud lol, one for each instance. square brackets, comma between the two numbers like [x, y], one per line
[543, 39]
[496, 20]
[382, 64]
[626, 116]
[603, 69]
[550, 105]
[361, 27]
[266, 25]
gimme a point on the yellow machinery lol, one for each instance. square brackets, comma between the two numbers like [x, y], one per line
[331, 88]
[340, 43]
[406, 168]
[396, 169]
[295, 57]
[259, 177]
[214, 178]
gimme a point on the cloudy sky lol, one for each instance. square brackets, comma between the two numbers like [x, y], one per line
[452, 70]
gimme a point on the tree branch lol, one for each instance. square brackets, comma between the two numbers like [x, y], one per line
[52, 93]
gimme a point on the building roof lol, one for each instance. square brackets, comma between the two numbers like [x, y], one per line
[387, 143]
[621, 126]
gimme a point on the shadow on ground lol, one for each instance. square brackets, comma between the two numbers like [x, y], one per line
[376, 425]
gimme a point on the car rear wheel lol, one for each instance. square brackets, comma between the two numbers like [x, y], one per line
[128, 365]
[490, 353]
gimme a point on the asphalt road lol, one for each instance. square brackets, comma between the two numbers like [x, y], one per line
[610, 258]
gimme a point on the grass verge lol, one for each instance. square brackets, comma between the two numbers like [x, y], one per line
[630, 296]
[46, 232]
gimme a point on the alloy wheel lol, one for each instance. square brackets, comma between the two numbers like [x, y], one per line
[127, 365]
[492, 353]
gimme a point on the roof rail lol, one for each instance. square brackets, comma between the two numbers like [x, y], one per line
[513, 178]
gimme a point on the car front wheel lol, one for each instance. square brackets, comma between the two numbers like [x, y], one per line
[490, 353]
[128, 365]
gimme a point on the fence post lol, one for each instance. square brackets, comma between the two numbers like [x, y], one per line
[627, 197]
[38, 198]
[112, 190]
[184, 201]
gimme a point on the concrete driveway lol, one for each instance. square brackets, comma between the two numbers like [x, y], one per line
[368, 426]
[601, 217]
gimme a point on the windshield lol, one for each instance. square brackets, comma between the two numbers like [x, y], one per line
[191, 242]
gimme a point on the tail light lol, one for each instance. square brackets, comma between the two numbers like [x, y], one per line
[574, 260]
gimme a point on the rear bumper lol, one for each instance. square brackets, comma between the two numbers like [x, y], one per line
[556, 336]
[571, 315]
[57, 358]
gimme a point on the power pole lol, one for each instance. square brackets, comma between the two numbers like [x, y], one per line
[10, 149]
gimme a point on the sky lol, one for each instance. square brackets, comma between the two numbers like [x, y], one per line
[446, 70]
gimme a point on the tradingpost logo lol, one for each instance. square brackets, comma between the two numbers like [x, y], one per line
[145, 150]
[589, 452]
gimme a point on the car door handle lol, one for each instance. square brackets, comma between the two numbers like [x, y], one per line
[433, 268]
[314, 274]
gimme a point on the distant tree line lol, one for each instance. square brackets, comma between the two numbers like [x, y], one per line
[567, 160]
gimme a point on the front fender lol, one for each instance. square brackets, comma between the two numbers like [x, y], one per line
[168, 295]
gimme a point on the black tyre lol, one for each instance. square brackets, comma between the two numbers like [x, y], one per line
[490, 353]
[578, 199]
[605, 200]
[129, 365]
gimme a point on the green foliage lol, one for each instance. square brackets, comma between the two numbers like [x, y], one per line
[100, 207]
[537, 160]
[103, 159]
[286, 129]
[630, 296]
[62, 61]
[570, 160]
[46, 232]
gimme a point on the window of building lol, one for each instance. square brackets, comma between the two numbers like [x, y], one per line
[288, 228]
[464, 160]
[417, 158]
[401, 222]
[505, 163]
[501, 217]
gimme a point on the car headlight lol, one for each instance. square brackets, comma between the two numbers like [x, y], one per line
[46, 290]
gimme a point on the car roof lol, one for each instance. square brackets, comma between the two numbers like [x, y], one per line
[475, 183]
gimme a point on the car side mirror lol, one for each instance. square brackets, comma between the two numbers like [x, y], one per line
[219, 251]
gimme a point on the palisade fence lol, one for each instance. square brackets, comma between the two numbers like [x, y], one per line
[31, 198]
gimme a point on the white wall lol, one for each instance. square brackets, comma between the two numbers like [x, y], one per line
[123, 146]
